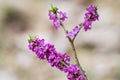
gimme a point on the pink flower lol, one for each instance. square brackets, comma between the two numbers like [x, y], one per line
[73, 33]
[90, 16]
[56, 17]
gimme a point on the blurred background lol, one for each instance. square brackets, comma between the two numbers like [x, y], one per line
[98, 49]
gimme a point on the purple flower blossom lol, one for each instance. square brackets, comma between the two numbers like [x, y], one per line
[56, 59]
[90, 16]
[87, 25]
[37, 46]
[52, 16]
[62, 15]
[47, 51]
[74, 73]
[56, 24]
[56, 17]
[74, 32]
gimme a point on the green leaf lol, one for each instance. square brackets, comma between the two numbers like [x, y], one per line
[53, 8]
[31, 38]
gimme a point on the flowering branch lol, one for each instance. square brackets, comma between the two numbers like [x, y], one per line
[47, 51]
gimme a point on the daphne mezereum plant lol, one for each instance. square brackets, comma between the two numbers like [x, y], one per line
[47, 51]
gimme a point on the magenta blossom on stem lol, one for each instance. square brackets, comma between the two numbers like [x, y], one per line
[90, 16]
[73, 33]
[56, 17]
[74, 73]
[62, 15]
[46, 51]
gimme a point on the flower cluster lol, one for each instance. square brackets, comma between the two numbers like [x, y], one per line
[46, 51]
[57, 16]
[73, 33]
[74, 73]
[90, 16]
